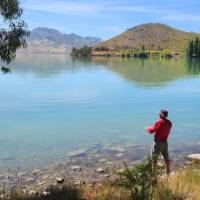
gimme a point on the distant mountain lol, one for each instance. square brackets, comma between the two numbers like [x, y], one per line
[152, 36]
[50, 40]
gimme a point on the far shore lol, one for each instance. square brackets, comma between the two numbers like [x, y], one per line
[43, 52]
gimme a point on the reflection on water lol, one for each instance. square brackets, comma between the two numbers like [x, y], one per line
[152, 71]
[53, 104]
[193, 66]
[148, 72]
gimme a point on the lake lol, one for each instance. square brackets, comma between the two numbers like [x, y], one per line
[53, 104]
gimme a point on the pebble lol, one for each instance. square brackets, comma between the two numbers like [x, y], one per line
[40, 183]
[77, 183]
[102, 160]
[194, 156]
[31, 192]
[119, 155]
[30, 179]
[60, 180]
[109, 163]
[118, 149]
[76, 168]
[35, 172]
[120, 170]
[21, 174]
[45, 177]
[45, 193]
[100, 170]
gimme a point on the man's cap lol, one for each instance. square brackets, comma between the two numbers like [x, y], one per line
[163, 113]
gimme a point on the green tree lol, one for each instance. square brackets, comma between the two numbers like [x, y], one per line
[13, 35]
[143, 48]
[193, 49]
[196, 46]
[82, 52]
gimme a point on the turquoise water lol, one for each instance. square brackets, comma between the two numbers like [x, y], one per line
[52, 104]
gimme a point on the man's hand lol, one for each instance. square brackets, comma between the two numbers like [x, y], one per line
[148, 129]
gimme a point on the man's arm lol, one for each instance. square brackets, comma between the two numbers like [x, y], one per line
[154, 128]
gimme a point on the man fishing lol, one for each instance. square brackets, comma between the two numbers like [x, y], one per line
[161, 130]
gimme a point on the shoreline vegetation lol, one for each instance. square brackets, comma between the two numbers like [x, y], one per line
[192, 51]
[124, 53]
[137, 183]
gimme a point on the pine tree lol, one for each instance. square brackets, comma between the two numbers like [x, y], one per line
[190, 48]
[196, 47]
[193, 49]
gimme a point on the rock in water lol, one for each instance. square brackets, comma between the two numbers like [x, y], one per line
[78, 153]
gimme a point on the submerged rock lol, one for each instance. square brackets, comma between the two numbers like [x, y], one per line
[102, 160]
[77, 153]
[119, 155]
[117, 149]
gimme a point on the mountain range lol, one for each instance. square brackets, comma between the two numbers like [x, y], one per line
[44, 39]
[154, 36]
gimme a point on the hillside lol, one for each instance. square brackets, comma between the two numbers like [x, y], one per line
[152, 36]
[50, 40]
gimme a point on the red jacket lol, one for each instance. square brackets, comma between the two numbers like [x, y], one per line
[161, 129]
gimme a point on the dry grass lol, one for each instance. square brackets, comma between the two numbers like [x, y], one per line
[153, 37]
[106, 192]
[185, 184]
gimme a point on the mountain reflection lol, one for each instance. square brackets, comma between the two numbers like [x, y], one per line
[150, 72]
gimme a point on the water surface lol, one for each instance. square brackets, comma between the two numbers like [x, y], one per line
[53, 104]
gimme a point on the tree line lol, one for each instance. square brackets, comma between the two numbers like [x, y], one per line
[193, 49]
[81, 52]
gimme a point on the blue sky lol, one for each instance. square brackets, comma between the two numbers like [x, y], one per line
[107, 18]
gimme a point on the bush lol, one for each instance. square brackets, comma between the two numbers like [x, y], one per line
[82, 52]
[140, 180]
[101, 49]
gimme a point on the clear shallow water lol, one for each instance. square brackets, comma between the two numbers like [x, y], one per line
[51, 105]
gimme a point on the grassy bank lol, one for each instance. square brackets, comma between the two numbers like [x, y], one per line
[134, 184]
[135, 53]
[143, 53]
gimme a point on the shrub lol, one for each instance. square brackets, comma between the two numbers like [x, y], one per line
[140, 180]
[82, 52]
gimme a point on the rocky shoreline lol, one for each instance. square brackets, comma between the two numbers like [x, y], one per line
[87, 166]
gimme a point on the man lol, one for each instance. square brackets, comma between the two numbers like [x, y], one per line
[161, 130]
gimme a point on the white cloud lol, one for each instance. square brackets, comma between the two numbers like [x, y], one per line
[105, 9]
[138, 8]
[61, 7]
[81, 8]
[181, 17]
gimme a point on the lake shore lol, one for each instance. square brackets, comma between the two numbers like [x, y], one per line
[88, 166]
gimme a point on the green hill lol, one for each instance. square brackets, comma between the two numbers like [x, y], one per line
[152, 36]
